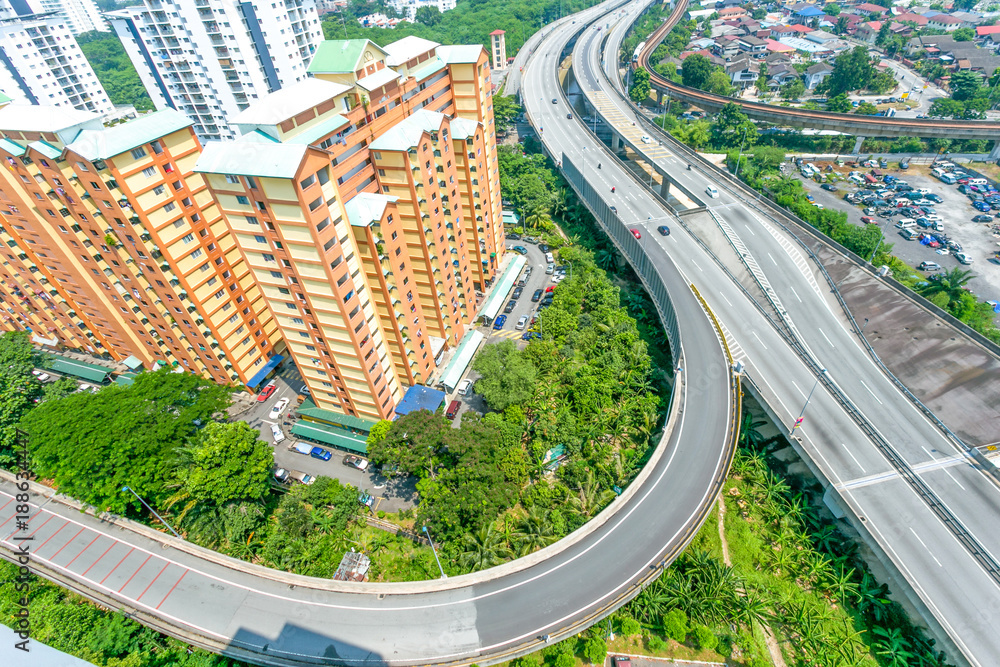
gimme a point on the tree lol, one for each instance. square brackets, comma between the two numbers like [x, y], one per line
[482, 550]
[595, 650]
[866, 109]
[114, 69]
[841, 26]
[704, 638]
[964, 35]
[429, 16]
[91, 445]
[793, 89]
[719, 83]
[733, 128]
[224, 463]
[883, 33]
[18, 388]
[832, 9]
[378, 432]
[507, 376]
[675, 625]
[965, 85]
[948, 288]
[852, 70]
[839, 103]
[695, 70]
[505, 110]
[639, 91]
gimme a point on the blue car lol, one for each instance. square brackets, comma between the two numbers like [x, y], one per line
[521, 249]
[499, 322]
[320, 453]
[981, 206]
[531, 335]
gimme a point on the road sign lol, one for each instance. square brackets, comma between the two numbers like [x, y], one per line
[798, 423]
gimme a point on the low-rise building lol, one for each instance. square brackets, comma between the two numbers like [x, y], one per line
[815, 74]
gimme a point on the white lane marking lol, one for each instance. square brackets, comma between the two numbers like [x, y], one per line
[925, 548]
[824, 336]
[697, 267]
[852, 456]
[953, 479]
[758, 339]
[870, 392]
[801, 393]
[795, 293]
[772, 258]
[751, 231]
[724, 297]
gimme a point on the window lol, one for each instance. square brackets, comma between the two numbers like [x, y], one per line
[267, 257]
[308, 181]
[240, 199]
[197, 253]
[251, 182]
[323, 224]
[260, 239]
[157, 148]
[148, 172]
[158, 190]
[235, 180]
[251, 220]
[170, 206]
[138, 152]
[188, 239]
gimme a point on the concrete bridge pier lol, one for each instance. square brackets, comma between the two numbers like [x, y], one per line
[857, 145]
[995, 153]
[665, 188]
[616, 143]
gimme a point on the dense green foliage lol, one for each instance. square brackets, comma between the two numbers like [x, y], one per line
[970, 99]
[855, 70]
[470, 22]
[18, 389]
[114, 70]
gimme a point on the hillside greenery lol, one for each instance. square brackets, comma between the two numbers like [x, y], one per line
[114, 69]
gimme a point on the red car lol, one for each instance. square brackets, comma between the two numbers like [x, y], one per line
[868, 220]
[635, 233]
[266, 392]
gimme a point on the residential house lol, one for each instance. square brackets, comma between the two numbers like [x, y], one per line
[732, 13]
[868, 9]
[868, 32]
[988, 35]
[752, 45]
[910, 17]
[726, 47]
[815, 74]
[781, 74]
[743, 72]
[947, 23]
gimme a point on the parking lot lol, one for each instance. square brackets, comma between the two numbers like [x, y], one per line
[978, 240]
[524, 306]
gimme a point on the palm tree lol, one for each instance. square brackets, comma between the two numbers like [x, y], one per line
[753, 608]
[482, 550]
[590, 498]
[324, 522]
[873, 598]
[535, 532]
[951, 284]
[607, 259]
[750, 437]
[893, 646]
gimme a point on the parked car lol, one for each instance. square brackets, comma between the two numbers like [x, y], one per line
[664, 230]
[983, 218]
[531, 335]
[963, 258]
[453, 409]
[869, 220]
[536, 296]
[511, 305]
[278, 408]
[518, 291]
[280, 475]
[929, 266]
[550, 269]
[829, 187]
[520, 249]
[464, 387]
[981, 206]
[521, 323]
[276, 432]
[42, 377]
[266, 392]
[499, 322]
[356, 462]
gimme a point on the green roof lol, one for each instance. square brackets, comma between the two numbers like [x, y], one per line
[330, 435]
[367, 207]
[126, 379]
[309, 410]
[460, 53]
[339, 56]
[244, 158]
[12, 147]
[81, 369]
[46, 149]
[4, 98]
[319, 130]
[109, 142]
[432, 66]
[133, 362]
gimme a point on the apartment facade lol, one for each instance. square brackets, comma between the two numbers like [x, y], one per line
[366, 204]
[41, 63]
[77, 15]
[210, 59]
[113, 245]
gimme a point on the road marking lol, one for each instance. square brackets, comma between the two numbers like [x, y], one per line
[758, 339]
[852, 456]
[752, 234]
[953, 479]
[724, 297]
[697, 267]
[870, 392]
[925, 548]
[801, 393]
[827, 339]
[795, 293]
[772, 259]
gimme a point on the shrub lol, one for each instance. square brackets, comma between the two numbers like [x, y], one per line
[704, 638]
[655, 644]
[530, 660]
[675, 625]
[629, 627]
[595, 650]
[564, 660]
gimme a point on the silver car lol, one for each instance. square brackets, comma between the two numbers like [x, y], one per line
[521, 323]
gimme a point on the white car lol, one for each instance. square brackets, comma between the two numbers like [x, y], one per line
[42, 377]
[278, 408]
[646, 139]
[712, 192]
[963, 258]
[276, 432]
[521, 323]
[464, 387]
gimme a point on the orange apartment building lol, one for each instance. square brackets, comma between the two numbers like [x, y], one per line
[114, 246]
[365, 202]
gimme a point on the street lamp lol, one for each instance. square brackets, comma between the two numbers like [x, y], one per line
[798, 422]
[879, 244]
[428, 534]
[740, 158]
[125, 488]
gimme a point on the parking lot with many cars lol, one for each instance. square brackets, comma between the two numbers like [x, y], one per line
[929, 221]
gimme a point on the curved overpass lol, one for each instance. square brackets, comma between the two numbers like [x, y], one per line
[862, 126]
[269, 617]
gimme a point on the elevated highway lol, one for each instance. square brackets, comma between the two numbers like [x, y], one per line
[268, 617]
[922, 500]
[859, 126]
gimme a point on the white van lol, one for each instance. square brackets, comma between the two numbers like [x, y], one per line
[977, 181]
[712, 192]
[464, 386]
[906, 223]
[549, 258]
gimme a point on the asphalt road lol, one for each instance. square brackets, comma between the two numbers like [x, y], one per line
[480, 618]
[961, 596]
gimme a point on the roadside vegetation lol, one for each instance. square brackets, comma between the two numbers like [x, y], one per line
[114, 69]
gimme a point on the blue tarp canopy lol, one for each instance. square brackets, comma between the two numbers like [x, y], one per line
[419, 397]
[271, 364]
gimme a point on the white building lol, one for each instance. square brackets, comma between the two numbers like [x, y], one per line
[78, 15]
[408, 8]
[41, 63]
[210, 59]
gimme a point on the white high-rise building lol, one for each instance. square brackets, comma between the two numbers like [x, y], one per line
[78, 15]
[210, 59]
[41, 63]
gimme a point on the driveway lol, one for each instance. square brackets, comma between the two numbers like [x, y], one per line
[391, 495]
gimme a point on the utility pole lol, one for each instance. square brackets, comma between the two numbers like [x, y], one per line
[428, 534]
[798, 422]
[125, 488]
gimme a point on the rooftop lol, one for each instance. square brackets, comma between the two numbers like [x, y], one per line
[109, 142]
[288, 102]
[251, 158]
[367, 207]
[378, 78]
[460, 53]
[406, 133]
[463, 128]
[339, 56]
[35, 118]
[406, 49]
